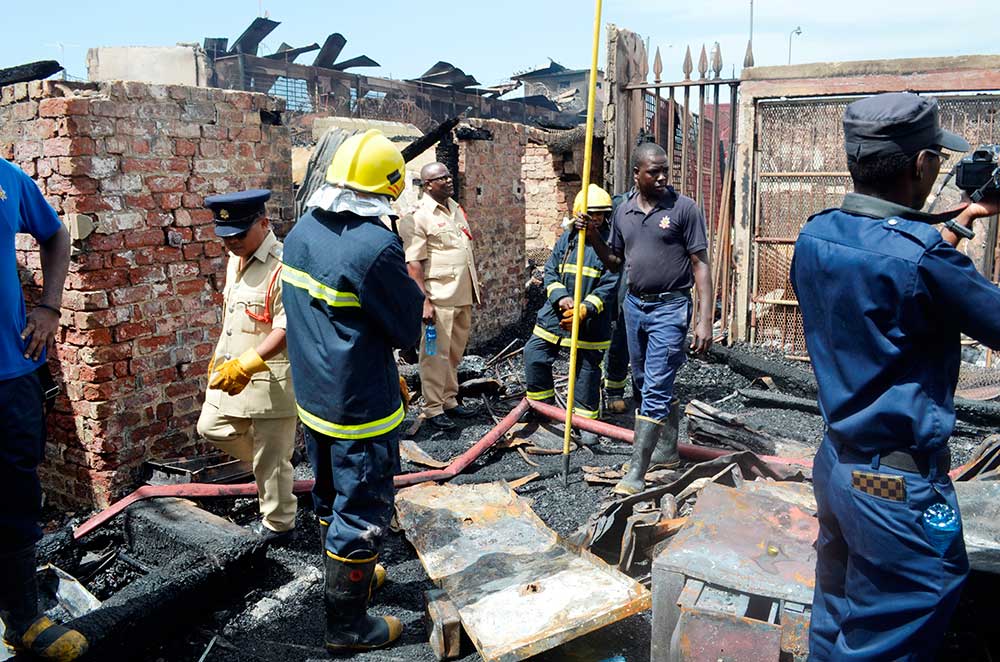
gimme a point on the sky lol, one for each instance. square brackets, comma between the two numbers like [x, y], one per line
[491, 40]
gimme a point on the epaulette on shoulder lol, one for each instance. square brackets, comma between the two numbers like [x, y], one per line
[923, 233]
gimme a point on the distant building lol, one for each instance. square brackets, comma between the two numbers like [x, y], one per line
[565, 87]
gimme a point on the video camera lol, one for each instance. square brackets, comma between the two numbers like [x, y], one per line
[979, 173]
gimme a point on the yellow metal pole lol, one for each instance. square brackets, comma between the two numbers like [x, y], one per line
[581, 242]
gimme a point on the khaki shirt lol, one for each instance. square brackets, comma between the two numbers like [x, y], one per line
[269, 394]
[439, 236]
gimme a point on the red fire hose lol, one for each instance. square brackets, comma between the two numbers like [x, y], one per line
[206, 490]
[457, 466]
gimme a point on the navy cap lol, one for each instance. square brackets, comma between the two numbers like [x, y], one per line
[896, 123]
[236, 212]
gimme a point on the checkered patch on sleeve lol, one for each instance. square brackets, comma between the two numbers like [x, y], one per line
[880, 485]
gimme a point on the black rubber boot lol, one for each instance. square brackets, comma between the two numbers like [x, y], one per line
[378, 579]
[647, 433]
[665, 454]
[25, 629]
[348, 590]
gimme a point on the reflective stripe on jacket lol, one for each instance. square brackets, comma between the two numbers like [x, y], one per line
[599, 293]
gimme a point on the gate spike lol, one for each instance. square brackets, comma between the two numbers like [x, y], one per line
[657, 66]
[748, 58]
[702, 63]
[717, 60]
[688, 68]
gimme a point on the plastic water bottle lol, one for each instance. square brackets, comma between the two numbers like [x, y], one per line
[942, 524]
[430, 340]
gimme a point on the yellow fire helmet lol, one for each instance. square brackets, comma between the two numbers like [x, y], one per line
[597, 200]
[370, 163]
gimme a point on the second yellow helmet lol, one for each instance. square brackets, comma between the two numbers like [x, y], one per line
[597, 200]
[368, 162]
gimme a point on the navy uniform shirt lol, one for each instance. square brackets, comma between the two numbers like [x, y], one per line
[884, 300]
[657, 246]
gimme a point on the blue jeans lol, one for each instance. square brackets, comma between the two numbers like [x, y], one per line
[657, 334]
[354, 494]
[22, 445]
[883, 592]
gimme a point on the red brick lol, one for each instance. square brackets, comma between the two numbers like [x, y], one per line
[185, 147]
[187, 287]
[151, 237]
[180, 389]
[167, 184]
[89, 338]
[193, 251]
[132, 330]
[153, 344]
[132, 294]
[168, 201]
[141, 202]
[140, 146]
[60, 106]
[140, 165]
[69, 147]
[98, 280]
[148, 274]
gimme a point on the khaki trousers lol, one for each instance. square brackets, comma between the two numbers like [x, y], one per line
[439, 373]
[268, 444]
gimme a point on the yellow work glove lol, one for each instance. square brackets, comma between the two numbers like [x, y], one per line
[234, 375]
[567, 317]
[404, 392]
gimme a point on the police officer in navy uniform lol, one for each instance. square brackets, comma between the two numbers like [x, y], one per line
[349, 302]
[884, 302]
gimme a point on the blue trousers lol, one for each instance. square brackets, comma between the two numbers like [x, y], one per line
[354, 493]
[616, 364]
[22, 445]
[883, 592]
[657, 334]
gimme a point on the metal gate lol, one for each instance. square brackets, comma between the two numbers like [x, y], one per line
[800, 169]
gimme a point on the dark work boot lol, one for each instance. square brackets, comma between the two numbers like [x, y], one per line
[348, 590]
[647, 433]
[378, 579]
[26, 630]
[665, 454]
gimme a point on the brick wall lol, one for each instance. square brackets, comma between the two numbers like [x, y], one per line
[492, 193]
[141, 309]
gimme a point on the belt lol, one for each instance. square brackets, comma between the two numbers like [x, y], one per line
[905, 460]
[662, 296]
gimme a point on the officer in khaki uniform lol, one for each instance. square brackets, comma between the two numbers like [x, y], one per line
[249, 409]
[438, 245]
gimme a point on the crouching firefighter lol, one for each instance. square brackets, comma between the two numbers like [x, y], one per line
[555, 318]
[349, 301]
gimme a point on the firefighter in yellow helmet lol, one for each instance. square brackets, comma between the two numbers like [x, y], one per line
[349, 301]
[555, 318]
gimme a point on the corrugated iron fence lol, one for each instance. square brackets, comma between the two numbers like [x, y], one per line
[800, 170]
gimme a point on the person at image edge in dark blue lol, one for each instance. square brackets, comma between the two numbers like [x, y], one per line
[885, 298]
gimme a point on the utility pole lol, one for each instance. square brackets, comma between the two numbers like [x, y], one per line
[748, 57]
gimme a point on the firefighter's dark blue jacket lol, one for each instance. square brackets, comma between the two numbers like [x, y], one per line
[599, 294]
[349, 302]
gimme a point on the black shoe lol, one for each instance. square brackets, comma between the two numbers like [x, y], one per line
[441, 422]
[348, 591]
[270, 536]
[647, 433]
[461, 412]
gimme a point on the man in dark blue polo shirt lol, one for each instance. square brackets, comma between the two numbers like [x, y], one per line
[659, 237]
[24, 340]
[884, 302]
